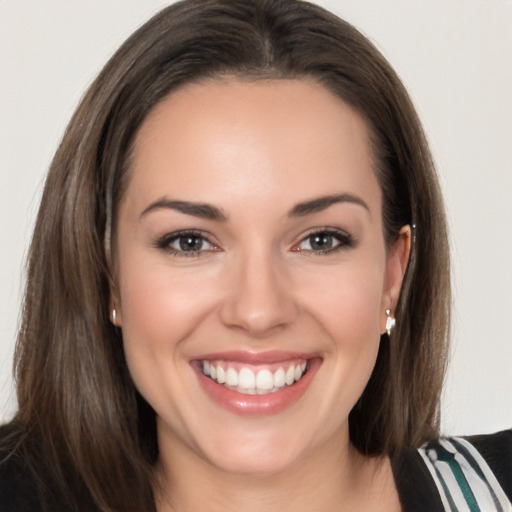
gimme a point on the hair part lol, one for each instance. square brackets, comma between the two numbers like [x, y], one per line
[80, 414]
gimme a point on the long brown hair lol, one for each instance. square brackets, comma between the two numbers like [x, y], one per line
[81, 425]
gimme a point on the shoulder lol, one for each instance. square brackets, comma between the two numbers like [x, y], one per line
[496, 449]
[472, 472]
[28, 482]
[17, 489]
[452, 473]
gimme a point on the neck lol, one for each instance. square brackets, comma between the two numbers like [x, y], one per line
[334, 478]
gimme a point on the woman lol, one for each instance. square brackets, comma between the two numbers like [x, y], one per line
[243, 240]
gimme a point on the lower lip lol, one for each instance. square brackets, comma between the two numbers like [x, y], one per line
[258, 405]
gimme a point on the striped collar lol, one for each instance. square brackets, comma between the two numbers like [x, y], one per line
[452, 475]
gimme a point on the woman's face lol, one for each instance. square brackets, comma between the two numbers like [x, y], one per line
[252, 272]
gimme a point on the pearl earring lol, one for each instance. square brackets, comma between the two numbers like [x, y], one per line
[114, 316]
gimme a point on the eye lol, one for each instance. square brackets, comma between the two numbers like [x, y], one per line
[325, 241]
[186, 243]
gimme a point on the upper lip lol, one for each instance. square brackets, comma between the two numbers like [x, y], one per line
[255, 358]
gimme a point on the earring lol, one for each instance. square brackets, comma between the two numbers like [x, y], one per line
[114, 316]
[390, 322]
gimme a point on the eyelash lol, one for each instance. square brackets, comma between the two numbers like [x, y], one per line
[345, 241]
[165, 243]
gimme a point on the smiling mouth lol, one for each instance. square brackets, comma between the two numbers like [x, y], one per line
[256, 384]
[253, 380]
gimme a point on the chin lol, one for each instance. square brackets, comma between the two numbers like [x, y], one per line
[263, 465]
[263, 453]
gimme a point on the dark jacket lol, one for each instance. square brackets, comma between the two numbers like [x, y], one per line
[417, 488]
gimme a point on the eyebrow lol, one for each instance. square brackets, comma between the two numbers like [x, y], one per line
[321, 203]
[210, 212]
[203, 210]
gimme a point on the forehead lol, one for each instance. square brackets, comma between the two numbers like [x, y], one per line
[294, 136]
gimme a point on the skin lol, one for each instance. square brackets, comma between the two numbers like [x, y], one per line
[255, 150]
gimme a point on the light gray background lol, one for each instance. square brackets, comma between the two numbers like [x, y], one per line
[454, 56]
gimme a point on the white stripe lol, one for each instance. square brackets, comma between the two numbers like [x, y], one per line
[453, 486]
[477, 485]
[479, 488]
[489, 476]
[430, 466]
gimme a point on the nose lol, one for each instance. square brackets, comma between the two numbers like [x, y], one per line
[259, 297]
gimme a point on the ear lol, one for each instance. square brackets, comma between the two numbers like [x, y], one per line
[396, 265]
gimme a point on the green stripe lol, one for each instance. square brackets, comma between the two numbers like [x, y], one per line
[445, 456]
[476, 467]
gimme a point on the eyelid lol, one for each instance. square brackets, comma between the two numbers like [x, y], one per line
[164, 242]
[346, 240]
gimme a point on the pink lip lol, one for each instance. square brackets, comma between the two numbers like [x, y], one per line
[255, 358]
[257, 405]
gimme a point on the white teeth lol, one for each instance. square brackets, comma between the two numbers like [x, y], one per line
[290, 375]
[279, 378]
[231, 377]
[221, 375]
[246, 379]
[251, 381]
[264, 380]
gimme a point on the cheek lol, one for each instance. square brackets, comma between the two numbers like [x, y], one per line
[160, 309]
[345, 303]
[348, 301]
[349, 311]
[351, 319]
[158, 304]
